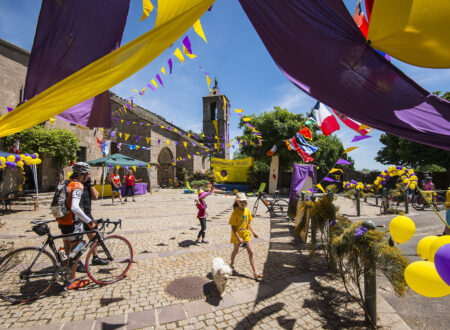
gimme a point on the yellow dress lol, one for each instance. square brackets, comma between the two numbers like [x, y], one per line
[241, 219]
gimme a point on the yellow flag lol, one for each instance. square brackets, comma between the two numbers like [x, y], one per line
[127, 136]
[189, 156]
[239, 110]
[173, 19]
[320, 187]
[137, 147]
[148, 140]
[362, 126]
[52, 120]
[117, 166]
[162, 126]
[208, 81]
[147, 8]
[134, 168]
[120, 134]
[135, 90]
[121, 121]
[349, 149]
[187, 53]
[247, 119]
[175, 130]
[185, 144]
[224, 102]
[168, 142]
[163, 70]
[189, 135]
[336, 170]
[154, 83]
[179, 55]
[198, 28]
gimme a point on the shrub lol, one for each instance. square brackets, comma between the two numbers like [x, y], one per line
[199, 184]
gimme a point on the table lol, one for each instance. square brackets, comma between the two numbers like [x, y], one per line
[139, 189]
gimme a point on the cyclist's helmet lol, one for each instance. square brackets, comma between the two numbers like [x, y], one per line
[81, 168]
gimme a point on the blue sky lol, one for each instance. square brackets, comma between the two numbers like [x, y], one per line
[234, 54]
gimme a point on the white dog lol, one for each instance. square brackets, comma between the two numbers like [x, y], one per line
[220, 272]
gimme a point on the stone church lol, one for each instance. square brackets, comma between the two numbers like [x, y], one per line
[166, 146]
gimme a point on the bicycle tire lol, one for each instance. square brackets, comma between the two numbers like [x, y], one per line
[121, 252]
[15, 269]
[416, 203]
[255, 207]
[280, 208]
[440, 203]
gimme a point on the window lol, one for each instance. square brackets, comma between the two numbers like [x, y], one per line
[81, 154]
[212, 111]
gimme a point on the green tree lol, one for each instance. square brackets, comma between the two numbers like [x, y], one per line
[279, 125]
[400, 151]
[60, 144]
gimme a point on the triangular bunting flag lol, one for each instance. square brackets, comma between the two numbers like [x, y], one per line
[198, 28]
[179, 55]
[147, 7]
[349, 149]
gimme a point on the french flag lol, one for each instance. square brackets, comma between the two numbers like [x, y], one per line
[360, 19]
[325, 119]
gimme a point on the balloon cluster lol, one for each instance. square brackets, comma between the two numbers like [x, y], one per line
[20, 160]
[431, 276]
[409, 178]
[356, 185]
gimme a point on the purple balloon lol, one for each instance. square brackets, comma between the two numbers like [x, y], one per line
[34, 156]
[140, 164]
[442, 262]
[17, 157]
[8, 163]
[387, 177]
[27, 155]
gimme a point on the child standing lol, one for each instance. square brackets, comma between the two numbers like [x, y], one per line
[241, 232]
[201, 215]
[129, 185]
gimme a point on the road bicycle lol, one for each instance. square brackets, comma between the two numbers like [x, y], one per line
[276, 207]
[392, 201]
[29, 272]
[437, 199]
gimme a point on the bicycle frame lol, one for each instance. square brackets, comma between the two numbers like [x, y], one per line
[50, 242]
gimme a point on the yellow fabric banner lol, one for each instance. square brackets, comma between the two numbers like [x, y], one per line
[415, 32]
[224, 102]
[217, 133]
[231, 170]
[198, 28]
[173, 19]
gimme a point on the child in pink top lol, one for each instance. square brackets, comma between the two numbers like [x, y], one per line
[201, 215]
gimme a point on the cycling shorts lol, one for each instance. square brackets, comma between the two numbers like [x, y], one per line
[76, 227]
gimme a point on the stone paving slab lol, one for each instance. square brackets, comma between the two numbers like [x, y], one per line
[293, 293]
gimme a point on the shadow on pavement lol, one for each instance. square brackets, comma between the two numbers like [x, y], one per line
[186, 243]
[253, 318]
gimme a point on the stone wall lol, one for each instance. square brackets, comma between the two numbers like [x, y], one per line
[10, 179]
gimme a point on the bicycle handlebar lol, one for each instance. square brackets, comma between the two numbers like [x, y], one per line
[106, 223]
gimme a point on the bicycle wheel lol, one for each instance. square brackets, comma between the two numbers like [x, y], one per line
[120, 256]
[439, 203]
[25, 275]
[417, 203]
[255, 207]
[280, 208]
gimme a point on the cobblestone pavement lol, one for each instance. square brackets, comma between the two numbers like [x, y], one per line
[162, 227]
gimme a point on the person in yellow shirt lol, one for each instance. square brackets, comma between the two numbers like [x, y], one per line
[241, 231]
[447, 212]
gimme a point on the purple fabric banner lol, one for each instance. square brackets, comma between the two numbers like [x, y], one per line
[299, 175]
[342, 161]
[319, 48]
[360, 137]
[70, 35]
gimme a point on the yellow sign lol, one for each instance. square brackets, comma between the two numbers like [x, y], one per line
[231, 170]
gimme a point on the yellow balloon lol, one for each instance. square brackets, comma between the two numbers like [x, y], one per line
[38, 161]
[437, 244]
[10, 158]
[424, 246]
[402, 229]
[22, 157]
[423, 278]
[3, 160]
[28, 159]
[411, 171]
[20, 163]
[33, 162]
[117, 166]
[406, 181]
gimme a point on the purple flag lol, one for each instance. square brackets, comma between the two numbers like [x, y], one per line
[159, 141]
[342, 161]
[360, 137]
[359, 82]
[69, 36]
[152, 88]
[187, 44]
[176, 143]
[137, 138]
[112, 133]
[160, 80]
[9, 109]
[170, 65]
[327, 179]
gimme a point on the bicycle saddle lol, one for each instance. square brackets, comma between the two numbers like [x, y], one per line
[41, 222]
[276, 191]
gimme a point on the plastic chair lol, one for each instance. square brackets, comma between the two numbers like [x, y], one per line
[189, 190]
[261, 189]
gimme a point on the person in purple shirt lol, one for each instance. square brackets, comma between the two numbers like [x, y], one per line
[201, 215]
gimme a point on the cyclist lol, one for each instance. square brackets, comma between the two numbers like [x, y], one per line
[72, 223]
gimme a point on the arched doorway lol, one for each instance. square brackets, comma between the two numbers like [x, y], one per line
[166, 170]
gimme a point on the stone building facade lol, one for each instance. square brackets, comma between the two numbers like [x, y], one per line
[167, 159]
